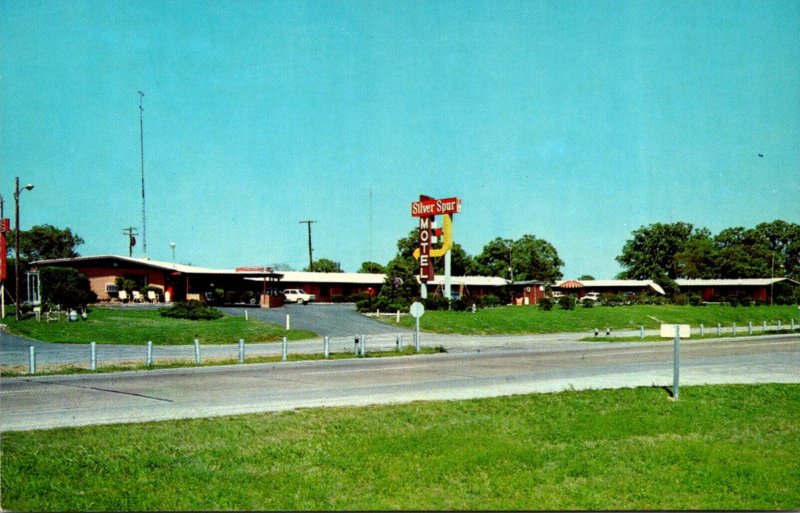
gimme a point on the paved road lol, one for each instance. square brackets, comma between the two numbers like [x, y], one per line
[50, 401]
[340, 322]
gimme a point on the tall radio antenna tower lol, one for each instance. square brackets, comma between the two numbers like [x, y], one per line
[141, 146]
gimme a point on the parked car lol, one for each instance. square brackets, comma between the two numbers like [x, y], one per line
[590, 296]
[298, 296]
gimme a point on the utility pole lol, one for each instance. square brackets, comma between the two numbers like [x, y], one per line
[4, 245]
[310, 250]
[141, 146]
[130, 232]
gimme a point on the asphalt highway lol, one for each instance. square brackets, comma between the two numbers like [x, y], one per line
[41, 402]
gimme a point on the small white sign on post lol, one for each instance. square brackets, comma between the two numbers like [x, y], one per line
[417, 310]
[668, 330]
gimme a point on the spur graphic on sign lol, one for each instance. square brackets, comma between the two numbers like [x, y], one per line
[427, 209]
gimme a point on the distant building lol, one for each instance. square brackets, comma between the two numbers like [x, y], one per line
[581, 288]
[757, 289]
[180, 282]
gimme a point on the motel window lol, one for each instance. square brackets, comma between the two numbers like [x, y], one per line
[111, 288]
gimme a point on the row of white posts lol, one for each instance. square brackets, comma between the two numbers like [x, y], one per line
[764, 329]
[360, 350]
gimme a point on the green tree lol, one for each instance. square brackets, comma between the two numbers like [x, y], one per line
[325, 265]
[65, 286]
[372, 268]
[461, 262]
[586, 277]
[43, 242]
[652, 253]
[769, 249]
[741, 253]
[529, 258]
[535, 259]
[495, 259]
[400, 285]
[696, 259]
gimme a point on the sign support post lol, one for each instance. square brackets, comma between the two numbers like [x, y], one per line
[678, 331]
[676, 363]
[417, 310]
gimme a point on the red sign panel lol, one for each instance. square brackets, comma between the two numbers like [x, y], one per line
[434, 207]
[5, 225]
[425, 261]
[254, 269]
[3, 260]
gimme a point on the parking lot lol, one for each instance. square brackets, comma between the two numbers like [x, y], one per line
[332, 320]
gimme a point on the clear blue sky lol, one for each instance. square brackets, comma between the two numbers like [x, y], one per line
[575, 121]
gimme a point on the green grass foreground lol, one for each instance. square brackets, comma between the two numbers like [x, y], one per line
[133, 326]
[531, 319]
[719, 447]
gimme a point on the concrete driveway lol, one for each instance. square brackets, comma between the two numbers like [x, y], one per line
[331, 320]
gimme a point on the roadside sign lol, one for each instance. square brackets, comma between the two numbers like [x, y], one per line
[668, 330]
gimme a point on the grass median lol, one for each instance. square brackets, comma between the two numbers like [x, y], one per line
[137, 326]
[532, 320]
[719, 447]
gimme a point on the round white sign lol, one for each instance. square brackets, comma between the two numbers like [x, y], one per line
[417, 309]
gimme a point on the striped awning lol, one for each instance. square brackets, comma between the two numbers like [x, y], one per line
[571, 284]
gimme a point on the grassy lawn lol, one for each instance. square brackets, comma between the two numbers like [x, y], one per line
[719, 447]
[130, 326]
[531, 319]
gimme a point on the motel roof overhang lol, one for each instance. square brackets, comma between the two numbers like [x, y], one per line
[146, 263]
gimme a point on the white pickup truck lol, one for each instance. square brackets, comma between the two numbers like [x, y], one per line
[590, 296]
[298, 296]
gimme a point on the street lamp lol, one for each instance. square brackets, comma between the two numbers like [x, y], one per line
[172, 245]
[17, 191]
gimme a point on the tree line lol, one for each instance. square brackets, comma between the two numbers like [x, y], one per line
[661, 252]
[665, 252]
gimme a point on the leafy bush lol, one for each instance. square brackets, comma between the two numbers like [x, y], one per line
[733, 301]
[567, 302]
[382, 303]
[489, 301]
[680, 299]
[745, 301]
[66, 286]
[192, 310]
[546, 304]
[588, 303]
[458, 305]
[695, 300]
[436, 303]
[612, 299]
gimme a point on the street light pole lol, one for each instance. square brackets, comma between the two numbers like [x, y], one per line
[16, 243]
